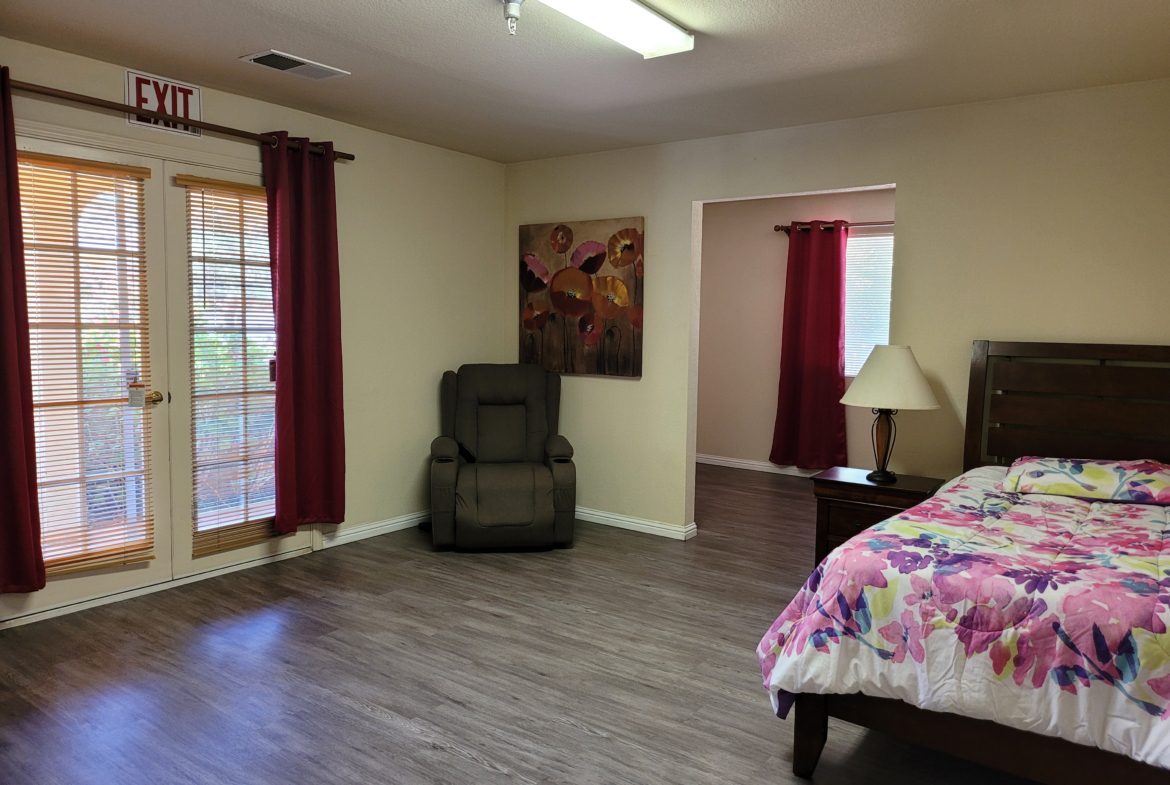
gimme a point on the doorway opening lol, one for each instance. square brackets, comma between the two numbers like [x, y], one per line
[740, 265]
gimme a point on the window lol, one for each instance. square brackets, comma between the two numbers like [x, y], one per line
[85, 259]
[869, 270]
[232, 340]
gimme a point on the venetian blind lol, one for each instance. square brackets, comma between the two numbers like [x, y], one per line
[232, 340]
[85, 264]
[869, 269]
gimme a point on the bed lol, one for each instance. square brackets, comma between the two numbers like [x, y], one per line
[1023, 632]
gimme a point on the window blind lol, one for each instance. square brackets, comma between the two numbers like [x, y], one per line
[232, 340]
[85, 263]
[869, 269]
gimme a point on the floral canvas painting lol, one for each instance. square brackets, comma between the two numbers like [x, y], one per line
[581, 290]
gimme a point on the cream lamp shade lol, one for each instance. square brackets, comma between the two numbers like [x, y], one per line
[890, 379]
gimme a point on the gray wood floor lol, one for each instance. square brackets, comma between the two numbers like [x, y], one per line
[629, 659]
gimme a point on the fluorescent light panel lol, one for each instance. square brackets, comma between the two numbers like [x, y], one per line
[629, 23]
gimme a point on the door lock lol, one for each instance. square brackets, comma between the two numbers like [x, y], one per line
[154, 397]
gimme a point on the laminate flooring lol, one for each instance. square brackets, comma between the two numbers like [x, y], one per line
[628, 659]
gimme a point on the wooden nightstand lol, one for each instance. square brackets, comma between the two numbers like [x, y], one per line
[847, 503]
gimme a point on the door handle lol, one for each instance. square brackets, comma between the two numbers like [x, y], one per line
[154, 397]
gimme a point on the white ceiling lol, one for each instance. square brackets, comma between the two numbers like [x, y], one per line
[445, 71]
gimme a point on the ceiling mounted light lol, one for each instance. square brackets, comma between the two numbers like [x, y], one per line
[628, 22]
[512, 14]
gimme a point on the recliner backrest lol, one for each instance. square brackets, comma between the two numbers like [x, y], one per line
[501, 413]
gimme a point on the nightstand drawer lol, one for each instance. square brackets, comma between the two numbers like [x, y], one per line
[848, 503]
[846, 519]
[885, 497]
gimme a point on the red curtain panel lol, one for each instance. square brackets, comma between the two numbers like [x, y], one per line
[310, 426]
[810, 418]
[22, 568]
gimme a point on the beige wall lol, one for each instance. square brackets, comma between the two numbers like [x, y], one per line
[744, 264]
[417, 226]
[1033, 218]
[1037, 218]
[420, 233]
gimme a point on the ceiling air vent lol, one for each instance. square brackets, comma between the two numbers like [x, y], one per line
[282, 61]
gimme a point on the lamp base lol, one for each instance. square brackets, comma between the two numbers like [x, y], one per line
[883, 434]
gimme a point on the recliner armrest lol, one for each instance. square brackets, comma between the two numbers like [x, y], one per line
[445, 465]
[558, 447]
[560, 462]
[444, 448]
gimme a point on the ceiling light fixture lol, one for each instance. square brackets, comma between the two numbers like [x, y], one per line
[628, 22]
[512, 14]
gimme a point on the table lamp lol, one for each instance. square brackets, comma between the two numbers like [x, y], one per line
[889, 380]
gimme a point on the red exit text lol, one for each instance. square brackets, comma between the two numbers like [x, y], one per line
[178, 99]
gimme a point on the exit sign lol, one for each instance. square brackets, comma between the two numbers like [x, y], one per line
[147, 91]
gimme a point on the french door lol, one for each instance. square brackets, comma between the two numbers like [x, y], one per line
[151, 333]
[221, 344]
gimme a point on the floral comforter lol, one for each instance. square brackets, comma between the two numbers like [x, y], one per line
[1045, 613]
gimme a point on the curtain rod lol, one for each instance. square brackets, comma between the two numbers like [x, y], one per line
[805, 225]
[114, 106]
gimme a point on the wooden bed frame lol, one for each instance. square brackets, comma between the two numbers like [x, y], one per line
[1054, 399]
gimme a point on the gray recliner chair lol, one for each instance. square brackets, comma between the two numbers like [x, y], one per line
[501, 475]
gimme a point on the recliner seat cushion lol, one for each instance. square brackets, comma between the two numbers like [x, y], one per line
[504, 494]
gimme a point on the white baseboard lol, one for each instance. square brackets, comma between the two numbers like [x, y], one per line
[73, 607]
[754, 466]
[365, 530]
[657, 528]
[361, 531]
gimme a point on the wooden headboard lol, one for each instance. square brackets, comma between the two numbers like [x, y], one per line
[1067, 400]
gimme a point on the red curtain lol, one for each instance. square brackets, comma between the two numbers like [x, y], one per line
[810, 418]
[22, 568]
[310, 427]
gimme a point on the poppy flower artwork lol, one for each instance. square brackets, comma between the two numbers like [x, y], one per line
[625, 247]
[572, 292]
[581, 291]
[532, 318]
[610, 296]
[561, 238]
[533, 273]
[589, 256]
